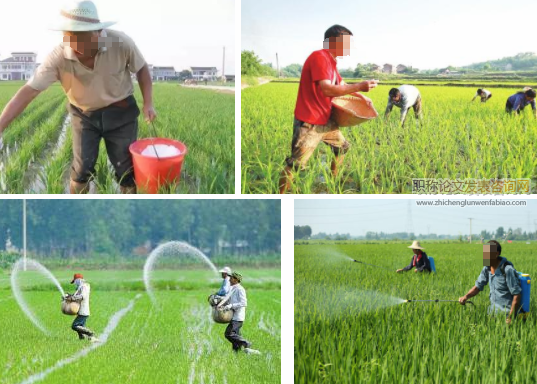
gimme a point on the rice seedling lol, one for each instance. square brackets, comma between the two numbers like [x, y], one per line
[204, 120]
[458, 139]
[353, 326]
[175, 342]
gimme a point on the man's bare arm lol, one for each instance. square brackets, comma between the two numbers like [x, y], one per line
[146, 87]
[17, 105]
[471, 293]
[333, 90]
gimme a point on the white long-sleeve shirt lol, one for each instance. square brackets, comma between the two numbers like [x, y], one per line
[238, 301]
[83, 294]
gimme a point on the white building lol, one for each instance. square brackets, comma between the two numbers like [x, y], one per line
[163, 73]
[204, 73]
[20, 66]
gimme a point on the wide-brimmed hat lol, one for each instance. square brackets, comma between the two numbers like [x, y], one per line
[416, 245]
[77, 276]
[226, 270]
[80, 16]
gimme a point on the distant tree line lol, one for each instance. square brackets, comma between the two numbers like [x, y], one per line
[499, 234]
[64, 228]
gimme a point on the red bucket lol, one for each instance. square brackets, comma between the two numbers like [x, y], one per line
[151, 173]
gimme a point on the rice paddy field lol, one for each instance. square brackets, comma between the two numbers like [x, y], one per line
[38, 145]
[458, 139]
[175, 341]
[352, 326]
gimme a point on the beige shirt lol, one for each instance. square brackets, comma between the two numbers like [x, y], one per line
[91, 89]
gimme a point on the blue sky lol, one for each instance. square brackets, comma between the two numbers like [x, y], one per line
[361, 215]
[424, 34]
[169, 33]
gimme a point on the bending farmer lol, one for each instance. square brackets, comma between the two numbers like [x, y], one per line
[517, 102]
[94, 67]
[505, 288]
[420, 261]
[404, 97]
[483, 94]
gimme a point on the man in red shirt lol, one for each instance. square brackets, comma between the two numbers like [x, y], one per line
[319, 83]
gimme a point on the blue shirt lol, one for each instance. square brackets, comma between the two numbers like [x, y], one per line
[224, 288]
[519, 101]
[502, 288]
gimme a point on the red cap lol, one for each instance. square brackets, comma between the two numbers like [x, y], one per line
[77, 276]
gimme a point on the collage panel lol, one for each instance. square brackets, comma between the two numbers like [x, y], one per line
[189, 295]
[415, 290]
[108, 97]
[387, 97]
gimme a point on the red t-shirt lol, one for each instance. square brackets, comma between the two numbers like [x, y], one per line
[312, 106]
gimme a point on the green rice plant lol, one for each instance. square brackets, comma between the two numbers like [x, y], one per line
[202, 119]
[457, 139]
[173, 342]
[353, 326]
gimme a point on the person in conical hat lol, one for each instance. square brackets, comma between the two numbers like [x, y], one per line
[419, 262]
[94, 66]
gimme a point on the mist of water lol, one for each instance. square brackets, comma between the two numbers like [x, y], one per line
[336, 301]
[173, 249]
[17, 293]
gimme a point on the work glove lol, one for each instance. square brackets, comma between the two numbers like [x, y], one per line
[226, 307]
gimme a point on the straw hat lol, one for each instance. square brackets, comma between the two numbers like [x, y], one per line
[80, 16]
[416, 245]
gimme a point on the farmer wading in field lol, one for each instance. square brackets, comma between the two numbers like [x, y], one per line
[420, 261]
[505, 289]
[319, 83]
[236, 301]
[94, 67]
[82, 295]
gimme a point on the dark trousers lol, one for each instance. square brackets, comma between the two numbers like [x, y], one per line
[233, 334]
[117, 124]
[79, 326]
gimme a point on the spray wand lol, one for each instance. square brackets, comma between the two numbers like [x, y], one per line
[378, 266]
[437, 301]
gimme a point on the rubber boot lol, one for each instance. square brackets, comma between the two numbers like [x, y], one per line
[84, 331]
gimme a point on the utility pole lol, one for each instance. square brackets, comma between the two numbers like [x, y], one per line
[409, 225]
[24, 233]
[224, 65]
[470, 218]
[277, 65]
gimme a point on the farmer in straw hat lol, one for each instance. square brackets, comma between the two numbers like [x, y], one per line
[226, 285]
[236, 301]
[420, 261]
[505, 288]
[82, 295]
[319, 83]
[94, 66]
[224, 288]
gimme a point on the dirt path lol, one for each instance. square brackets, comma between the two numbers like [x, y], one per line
[220, 88]
[260, 80]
